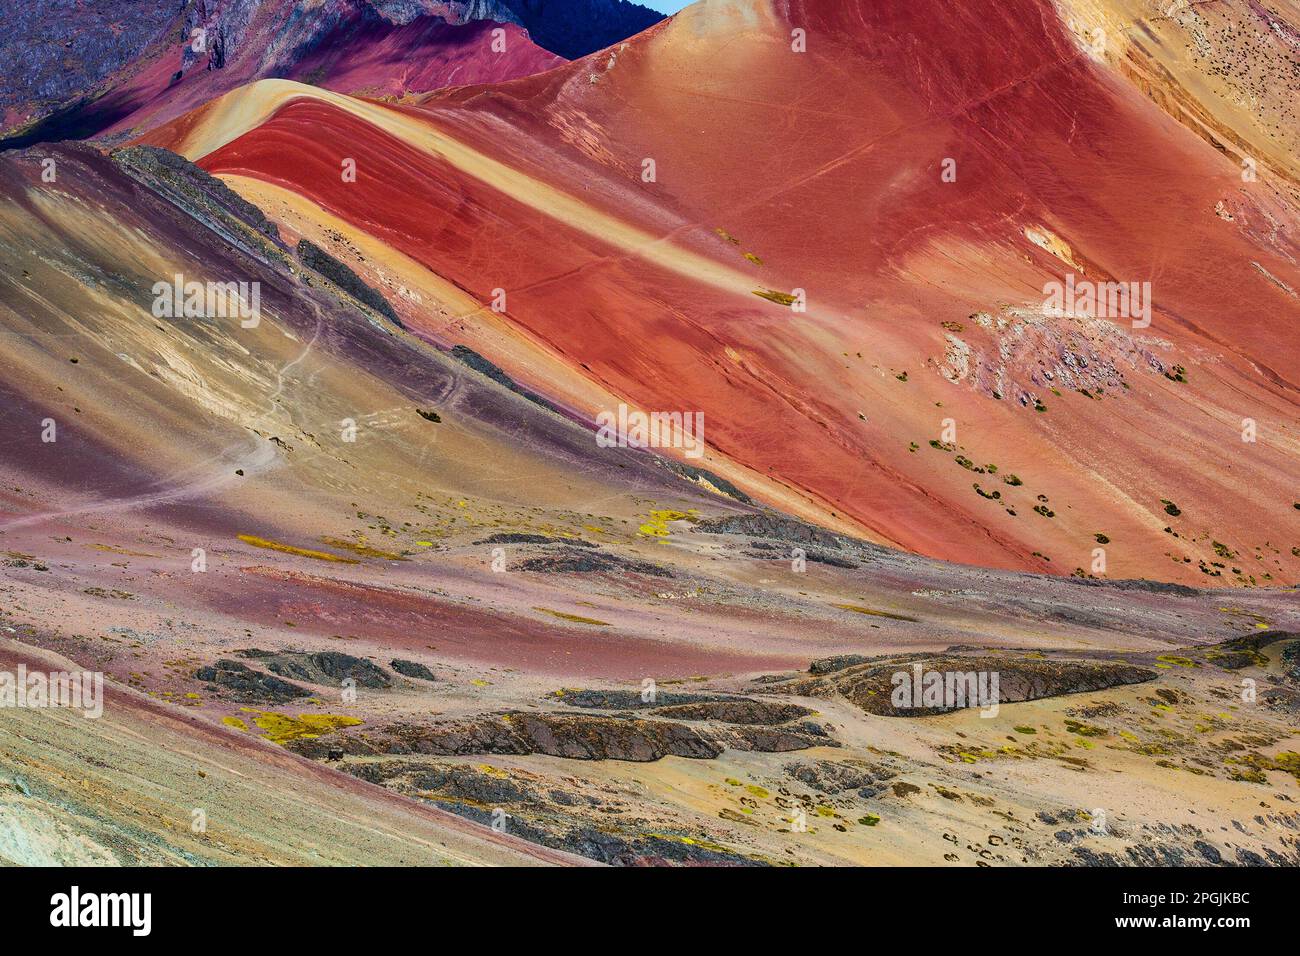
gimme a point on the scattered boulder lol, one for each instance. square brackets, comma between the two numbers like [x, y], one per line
[832, 777]
[412, 669]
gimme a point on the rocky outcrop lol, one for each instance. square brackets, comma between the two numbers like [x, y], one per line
[774, 527]
[515, 537]
[577, 737]
[470, 358]
[325, 667]
[928, 684]
[528, 806]
[320, 261]
[576, 561]
[759, 712]
[574, 736]
[239, 682]
[74, 71]
[632, 699]
[201, 195]
[702, 476]
[723, 708]
[829, 665]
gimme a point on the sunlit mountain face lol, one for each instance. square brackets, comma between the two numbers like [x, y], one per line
[559, 433]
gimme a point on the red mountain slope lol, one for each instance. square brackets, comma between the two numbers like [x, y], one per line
[823, 171]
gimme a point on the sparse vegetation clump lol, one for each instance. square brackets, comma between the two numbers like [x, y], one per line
[1084, 730]
[1222, 550]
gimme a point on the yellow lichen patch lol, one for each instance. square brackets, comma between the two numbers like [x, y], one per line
[576, 618]
[235, 722]
[657, 524]
[116, 550]
[281, 728]
[492, 771]
[691, 841]
[364, 550]
[290, 549]
[858, 609]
